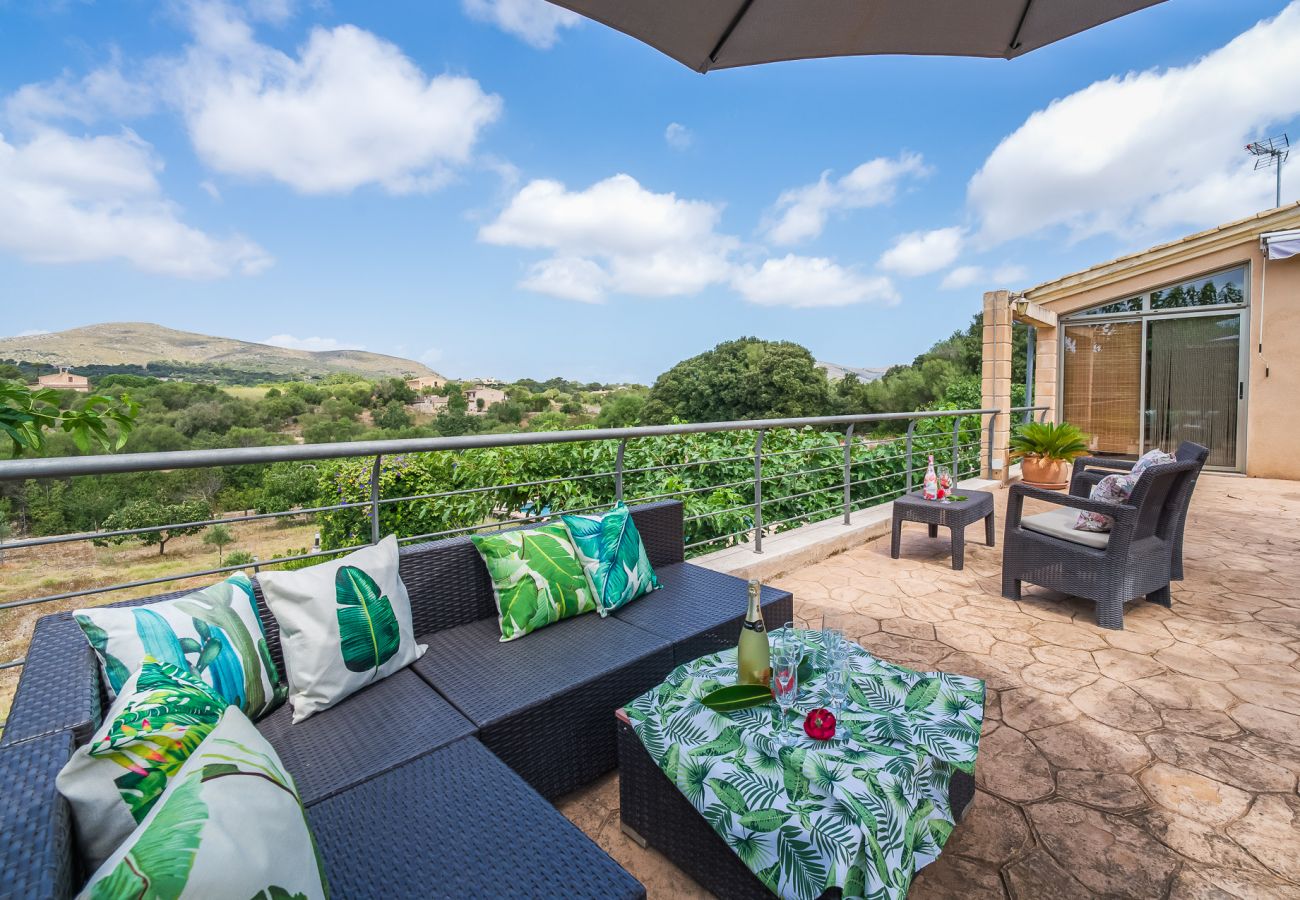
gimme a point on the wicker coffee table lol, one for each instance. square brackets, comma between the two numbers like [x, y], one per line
[955, 516]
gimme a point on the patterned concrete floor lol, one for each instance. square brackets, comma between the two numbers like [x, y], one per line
[1158, 761]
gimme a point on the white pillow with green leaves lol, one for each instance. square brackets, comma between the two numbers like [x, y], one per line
[230, 824]
[537, 578]
[344, 624]
[214, 634]
[112, 782]
[613, 557]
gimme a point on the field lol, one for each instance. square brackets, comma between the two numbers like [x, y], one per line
[26, 573]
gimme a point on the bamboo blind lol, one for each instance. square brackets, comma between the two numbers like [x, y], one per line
[1102, 391]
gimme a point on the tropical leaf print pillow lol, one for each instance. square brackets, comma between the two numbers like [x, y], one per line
[344, 624]
[613, 557]
[214, 634]
[230, 824]
[159, 718]
[537, 578]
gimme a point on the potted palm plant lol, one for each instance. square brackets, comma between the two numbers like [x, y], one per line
[1046, 451]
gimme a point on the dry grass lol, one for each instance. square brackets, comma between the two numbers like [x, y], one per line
[56, 569]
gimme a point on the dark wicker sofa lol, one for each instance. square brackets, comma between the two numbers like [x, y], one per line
[446, 763]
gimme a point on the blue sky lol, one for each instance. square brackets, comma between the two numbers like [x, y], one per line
[497, 188]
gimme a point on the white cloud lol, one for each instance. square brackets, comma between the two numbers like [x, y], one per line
[32, 332]
[350, 109]
[994, 278]
[105, 93]
[678, 136]
[536, 22]
[807, 281]
[801, 213]
[210, 189]
[313, 344]
[67, 199]
[1147, 152]
[615, 236]
[921, 252]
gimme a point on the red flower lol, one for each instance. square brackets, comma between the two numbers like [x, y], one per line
[820, 725]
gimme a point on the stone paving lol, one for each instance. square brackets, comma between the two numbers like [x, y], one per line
[1158, 761]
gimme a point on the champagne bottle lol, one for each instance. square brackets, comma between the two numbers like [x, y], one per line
[931, 489]
[753, 657]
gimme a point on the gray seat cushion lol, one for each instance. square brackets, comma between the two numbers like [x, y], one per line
[700, 611]
[544, 703]
[383, 726]
[1059, 523]
[458, 823]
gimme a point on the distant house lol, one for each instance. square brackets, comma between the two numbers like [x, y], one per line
[64, 381]
[481, 396]
[425, 381]
[430, 403]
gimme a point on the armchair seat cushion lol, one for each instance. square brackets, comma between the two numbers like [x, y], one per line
[1060, 523]
[376, 729]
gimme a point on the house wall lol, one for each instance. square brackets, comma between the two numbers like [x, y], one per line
[1273, 384]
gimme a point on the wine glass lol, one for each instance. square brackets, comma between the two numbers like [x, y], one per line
[945, 484]
[832, 634]
[785, 687]
[836, 681]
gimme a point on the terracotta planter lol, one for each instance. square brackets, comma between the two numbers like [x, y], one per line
[1039, 471]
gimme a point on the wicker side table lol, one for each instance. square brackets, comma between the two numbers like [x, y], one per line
[955, 516]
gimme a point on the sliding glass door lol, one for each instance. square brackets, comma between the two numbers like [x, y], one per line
[1160, 368]
[1194, 385]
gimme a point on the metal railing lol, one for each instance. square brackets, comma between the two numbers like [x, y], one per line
[845, 494]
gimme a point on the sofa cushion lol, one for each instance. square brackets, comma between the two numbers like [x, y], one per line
[159, 718]
[215, 633]
[1059, 523]
[613, 557]
[537, 579]
[545, 704]
[458, 823]
[344, 625]
[229, 825]
[387, 724]
[700, 611]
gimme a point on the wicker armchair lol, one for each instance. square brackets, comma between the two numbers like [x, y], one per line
[1088, 470]
[1133, 560]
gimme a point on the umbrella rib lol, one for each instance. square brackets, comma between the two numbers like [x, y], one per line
[1024, 14]
[735, 20]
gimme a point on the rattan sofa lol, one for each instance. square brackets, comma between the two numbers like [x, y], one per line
[1088, 470]
[449, 763]
[1133, 560]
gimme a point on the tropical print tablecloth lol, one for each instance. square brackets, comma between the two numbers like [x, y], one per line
[864, 812]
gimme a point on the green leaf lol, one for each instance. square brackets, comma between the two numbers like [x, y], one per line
[764, 819]
[792, 775]
[158, 863]
[368, 630]
[922, 694]
[726, 742]
[551, 556]
[729, 795]
[737, 696]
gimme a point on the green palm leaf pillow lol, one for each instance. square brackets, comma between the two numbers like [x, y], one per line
[214, 634]
[613, 557]
[344, 624]
[159, 718]
[230, 824]
[537, 578]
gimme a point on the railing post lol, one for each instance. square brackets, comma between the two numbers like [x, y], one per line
[956, 431]
[848, 461]
[618, 471]
[993, 419]
[758, 492]
[374, 500]
[911, 425]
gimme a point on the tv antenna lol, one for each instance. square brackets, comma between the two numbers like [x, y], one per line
[1271, 152]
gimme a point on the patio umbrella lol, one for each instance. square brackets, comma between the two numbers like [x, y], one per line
[719, 34]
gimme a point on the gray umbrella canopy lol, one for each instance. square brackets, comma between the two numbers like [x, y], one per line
[719, 34]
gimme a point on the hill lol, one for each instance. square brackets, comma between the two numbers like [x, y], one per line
[141, 343]
[865, 375]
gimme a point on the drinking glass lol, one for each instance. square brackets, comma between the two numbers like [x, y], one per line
[785, 687]
[836, 681]
[945, 484]
[832, 635]
[788, 636]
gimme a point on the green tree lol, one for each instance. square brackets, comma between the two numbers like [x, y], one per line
[148, 513]
[392, 415]
[218, 536]
[747, 378]
[621, 410]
